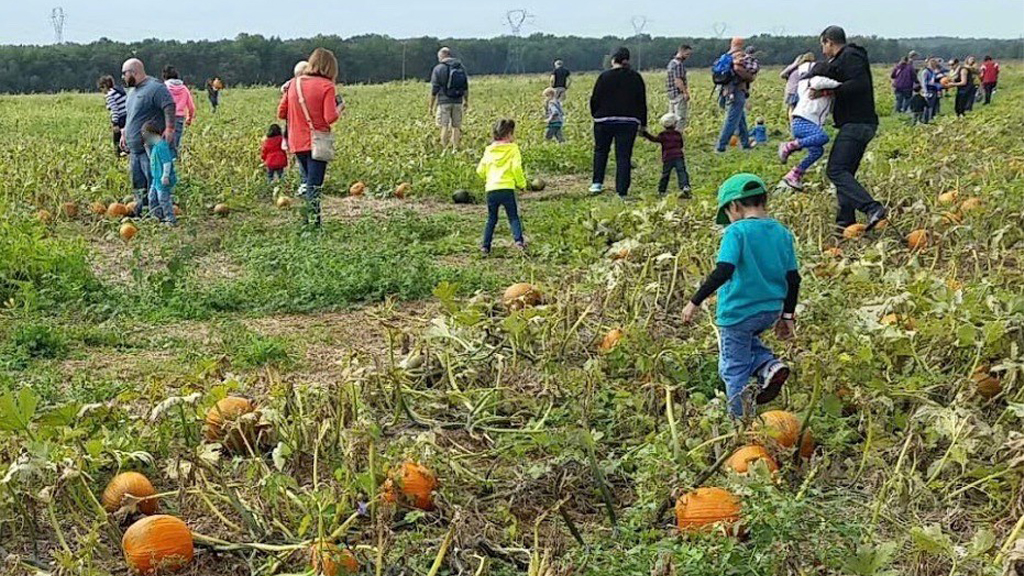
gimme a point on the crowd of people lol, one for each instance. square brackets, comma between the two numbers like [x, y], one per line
[756, 276]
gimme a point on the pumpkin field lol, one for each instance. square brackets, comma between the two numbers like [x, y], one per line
[244, 395]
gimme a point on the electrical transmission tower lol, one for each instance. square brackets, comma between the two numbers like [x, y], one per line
[57, 18]
[516, 20]
[639, 25]
[719, 29]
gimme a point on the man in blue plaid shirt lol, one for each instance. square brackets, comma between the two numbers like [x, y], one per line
[677, 87]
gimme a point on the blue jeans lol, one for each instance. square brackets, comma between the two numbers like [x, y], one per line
[932, 109]
[179, 131]
[138, 169]
[812, 138]
[495, 200]
[742, 354]
[313, 174]
[624, 136]
[161, 203]
[272, 174]
[735, 121]
[554, 132]
[679, 166]
[903, 100]
[843, 163]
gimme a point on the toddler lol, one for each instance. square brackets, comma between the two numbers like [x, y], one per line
[502, 169]
[672, 157]
[163, 177]
[759, 135]
[274, 157]
[555, 115]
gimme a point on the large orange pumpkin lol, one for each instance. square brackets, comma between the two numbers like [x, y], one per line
[417, 484]
[742, 458]
[326, 559]
[129, 484]
[522, 295]
[127, 231]
[157, 545]
[784, 428]
[117, 210]
[611, 340]
[222, 423]
[704, 508]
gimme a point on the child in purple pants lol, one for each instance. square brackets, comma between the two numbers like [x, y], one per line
[813, 106]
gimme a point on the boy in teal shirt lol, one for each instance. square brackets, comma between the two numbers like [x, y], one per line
[161, 167]
[758, 284]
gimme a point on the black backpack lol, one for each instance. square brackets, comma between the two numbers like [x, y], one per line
[458, 81]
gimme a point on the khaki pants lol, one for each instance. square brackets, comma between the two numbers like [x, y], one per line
[560, 94]
[449, 115]
[681, 108]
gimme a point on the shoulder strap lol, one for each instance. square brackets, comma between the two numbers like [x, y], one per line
[302, 102]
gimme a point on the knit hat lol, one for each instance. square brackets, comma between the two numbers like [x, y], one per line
[737, 187]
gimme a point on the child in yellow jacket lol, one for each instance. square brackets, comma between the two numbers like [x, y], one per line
[502, 168]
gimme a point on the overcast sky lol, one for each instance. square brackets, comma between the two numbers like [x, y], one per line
[26, 22]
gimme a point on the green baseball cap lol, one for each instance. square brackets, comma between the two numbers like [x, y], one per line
[736, 187]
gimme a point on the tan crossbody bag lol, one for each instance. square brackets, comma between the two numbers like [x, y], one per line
[323, 142]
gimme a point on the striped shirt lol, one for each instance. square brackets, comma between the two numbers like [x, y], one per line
[116, 104]
[675, 70]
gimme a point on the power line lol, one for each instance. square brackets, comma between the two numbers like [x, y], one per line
[57, 19]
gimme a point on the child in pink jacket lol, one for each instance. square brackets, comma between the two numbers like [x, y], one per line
[185, 106]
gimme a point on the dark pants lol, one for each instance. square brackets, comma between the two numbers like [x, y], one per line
[965, 99]
[931, 109]
[624, 136]
[495, 200]
[275, 173]
[117, 140]
[679, 166]
[313, 173]
[843, 163]
[988, 89]
[903, 100]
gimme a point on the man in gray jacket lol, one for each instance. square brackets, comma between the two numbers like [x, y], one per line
[449, 97]
[148, 101]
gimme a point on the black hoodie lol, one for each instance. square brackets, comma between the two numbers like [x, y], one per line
[619, 95]
[855, 99]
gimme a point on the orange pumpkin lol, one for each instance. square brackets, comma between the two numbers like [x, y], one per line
[221, 210]
[402, 190]
[357, 189]
[522, 295]
[834, 251]
[784, 428]
[417, 484]
[283, 202]
[855, 231]
[127, 231]
[742, 458]
[952, 218]
[970, 204]
[70, 209]
[734, 141]
[222, 423]
[177, 211]
[131, 206]
[117, 210]
[129, 484]
[611, 340]
[704, 508]
[917, 239]
[157, 544]
[988, 385]
[948, 197]
[328, 560]
[98, 208]
[44, 216]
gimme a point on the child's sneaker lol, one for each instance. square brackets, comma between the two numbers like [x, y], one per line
[596, 188]
[794, 179]
[786, 149]
[772, 378]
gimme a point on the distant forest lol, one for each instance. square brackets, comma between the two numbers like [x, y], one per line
[256, 60]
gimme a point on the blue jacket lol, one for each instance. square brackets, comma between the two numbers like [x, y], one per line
[161, 158]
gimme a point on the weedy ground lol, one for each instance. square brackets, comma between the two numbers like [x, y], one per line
[382, 339]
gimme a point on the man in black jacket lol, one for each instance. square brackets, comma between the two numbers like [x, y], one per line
[854, 115]
[619, 107]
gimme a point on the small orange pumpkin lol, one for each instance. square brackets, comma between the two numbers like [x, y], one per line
[221, 210]
[131, 206]
[988, 385]
[970, 204]
[70, 209]
[98, 208]
[44, 216]
[117, 210]
[734, 141]
[522, 295]
[357, 189]
[741, 459]
[177, 210]
[702, 509]
[127, 231]
[327, 559]
[834, 251]
[784, 427]
[402, 190]
[157, 544]
[221, 423]
[948, 197]
[917, 239]
[855, 231]
[611, 340]
[129, 484]
[417, 484]
[283, 202]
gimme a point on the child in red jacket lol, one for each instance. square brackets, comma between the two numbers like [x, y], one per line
[273, 154]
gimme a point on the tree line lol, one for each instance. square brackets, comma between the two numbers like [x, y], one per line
[258, 60]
